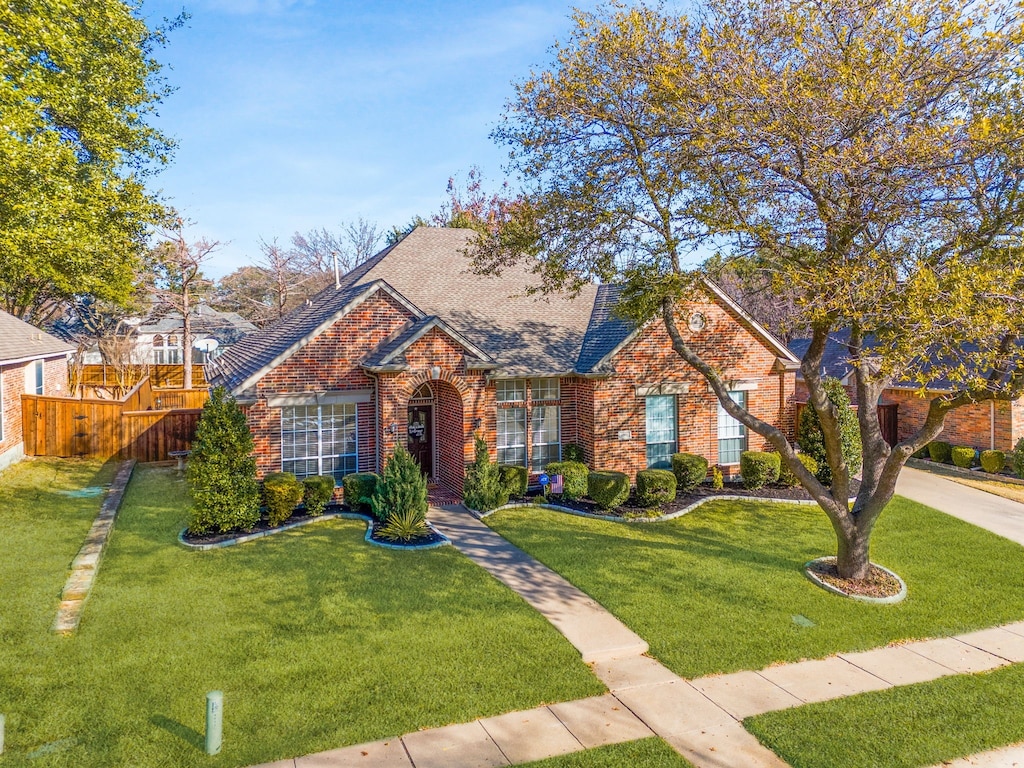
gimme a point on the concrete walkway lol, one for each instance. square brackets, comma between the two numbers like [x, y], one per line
[986, 510]
[702, 718]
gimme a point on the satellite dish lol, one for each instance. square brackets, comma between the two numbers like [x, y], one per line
[206, 345]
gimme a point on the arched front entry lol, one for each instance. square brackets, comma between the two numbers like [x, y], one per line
[436, 434]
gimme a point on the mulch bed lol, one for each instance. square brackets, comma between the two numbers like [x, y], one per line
[877, 584]
[632, 509]
[431, 538]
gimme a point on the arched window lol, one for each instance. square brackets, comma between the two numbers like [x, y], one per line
[424, 392]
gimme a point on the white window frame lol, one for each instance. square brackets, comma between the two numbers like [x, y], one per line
[35, 378]
[730, 430]
[318, 455]
[547, 389]
[510, 390]
[515, 416]
[167, 352]
[660, 433]
[537, 421]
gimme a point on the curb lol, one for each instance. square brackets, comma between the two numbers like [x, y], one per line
[891, 600]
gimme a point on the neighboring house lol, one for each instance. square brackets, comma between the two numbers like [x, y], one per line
[411, 348]
[159, 338]
[31, 362]
[903, 407]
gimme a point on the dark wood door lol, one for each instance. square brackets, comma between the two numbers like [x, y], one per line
[421, 442]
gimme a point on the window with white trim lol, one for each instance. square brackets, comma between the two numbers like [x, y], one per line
[544, 389]
[510, 390]
[319, 440]
[545, 443]
[34, 378]
[660, 413]
[512, 436]
[166, 350]
[732, 435]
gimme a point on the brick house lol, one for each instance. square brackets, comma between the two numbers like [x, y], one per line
[411, 348]
[31, 362]
[903, 406]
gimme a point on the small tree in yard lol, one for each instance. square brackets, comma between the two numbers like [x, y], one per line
[222, 469]
[400, 501]
[483, 489]
[811, 440]
[864, 156]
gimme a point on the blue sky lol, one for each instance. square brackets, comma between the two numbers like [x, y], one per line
[297, 114]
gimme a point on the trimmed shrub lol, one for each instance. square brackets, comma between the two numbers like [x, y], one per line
[940, 451]
[222, 469]
[483, 489]
[1018, 458]
[812, 442]
[514, 479]
[993, 462]
[572, 452]
[786, 476]
[655, 487]
[574, 478]
[317, 492]
[281, 493]
[608, 489]
[759, 468]
[689, 469]
[402, 489]
[359, 488]
[717, 479]
[962, 456]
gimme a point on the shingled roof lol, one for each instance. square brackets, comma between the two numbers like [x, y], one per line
[515, 334]
[20, 342]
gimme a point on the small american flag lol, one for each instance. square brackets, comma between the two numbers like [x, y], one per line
[556, 484]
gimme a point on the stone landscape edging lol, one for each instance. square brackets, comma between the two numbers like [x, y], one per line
[926, 465]
[620, 519]
[367, 537]
[890, 600]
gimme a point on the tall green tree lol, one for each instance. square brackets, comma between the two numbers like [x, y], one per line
[865, 154]
[78, 90]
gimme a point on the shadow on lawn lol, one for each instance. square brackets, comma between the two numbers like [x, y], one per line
[180, 731]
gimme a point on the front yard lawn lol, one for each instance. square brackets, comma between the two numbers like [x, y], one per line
[645, 753]
[722, 588]
[317, 639]
[906, 727]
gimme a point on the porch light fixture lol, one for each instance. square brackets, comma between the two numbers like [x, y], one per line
[391, 429]
[477, 422]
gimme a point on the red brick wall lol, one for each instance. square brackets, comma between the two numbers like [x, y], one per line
[727, 344]
[55, 383]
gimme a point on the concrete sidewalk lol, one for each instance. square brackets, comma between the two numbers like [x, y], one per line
[986, 510]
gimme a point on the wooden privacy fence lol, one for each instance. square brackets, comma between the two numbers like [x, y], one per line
[170, 375]
[145, 425]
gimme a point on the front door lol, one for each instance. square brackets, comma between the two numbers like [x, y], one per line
[421, 443]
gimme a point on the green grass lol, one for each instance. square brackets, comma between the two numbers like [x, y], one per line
[645, 753]
[906, 727]
[717, 590]
[317, 639]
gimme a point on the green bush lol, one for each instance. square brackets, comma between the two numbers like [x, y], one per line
[514, 480]
[963, 456]
[573, 452]
[1018, 458]
[281, 493]
[574, 478]
[655, 487]
[402, 489]
[222, 469]
[786, 475]
[317, 492]
[759, 468]
[689, 469]
[483, 489]
[359, 488]
[405, 525]
[992, 462]
[812, 442]
[940, 451]
[717, 479]
[608, 489]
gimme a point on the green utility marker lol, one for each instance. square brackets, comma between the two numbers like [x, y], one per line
[802, 621]
[214, 721]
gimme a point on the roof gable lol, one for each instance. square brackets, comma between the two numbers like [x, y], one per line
[21, 342]
[389, 355]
